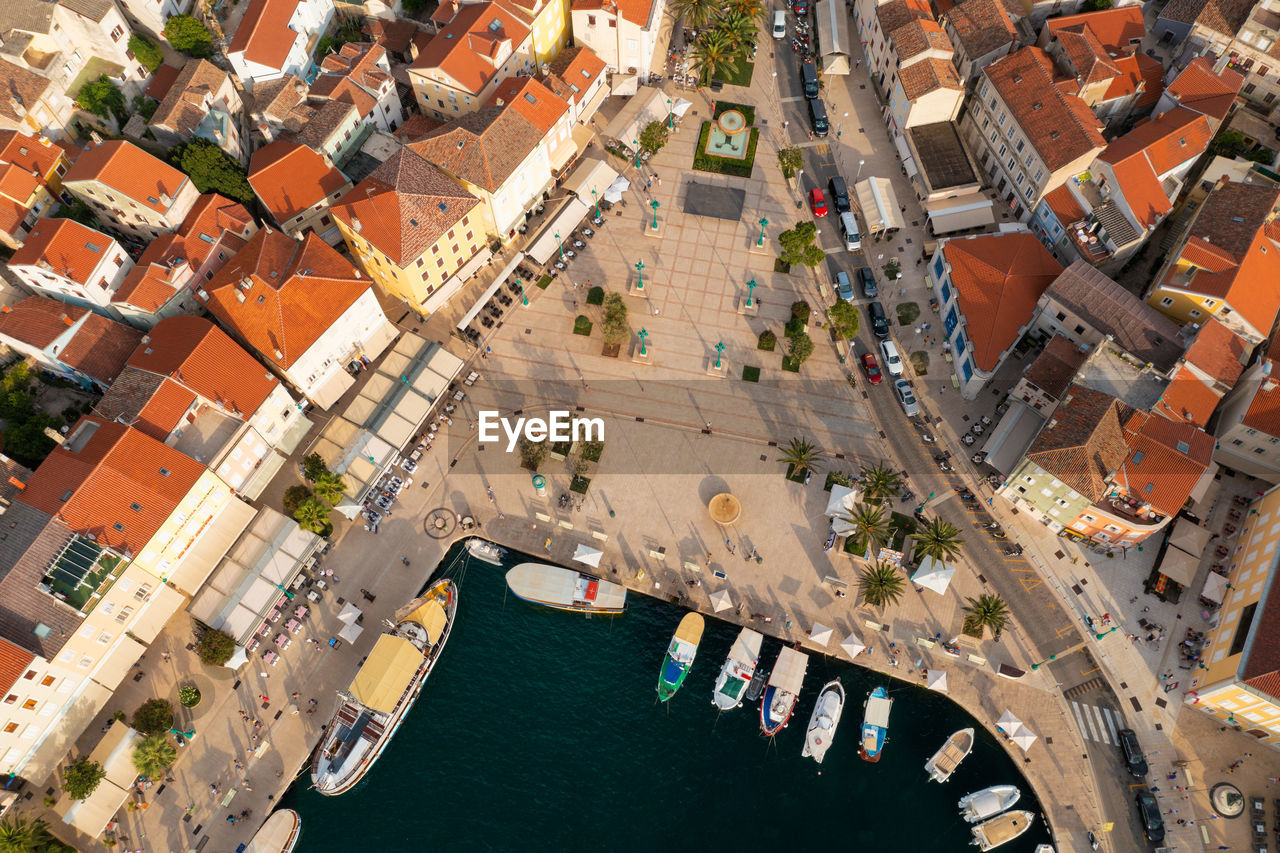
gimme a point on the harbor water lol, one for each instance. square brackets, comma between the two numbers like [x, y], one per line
[540, 730]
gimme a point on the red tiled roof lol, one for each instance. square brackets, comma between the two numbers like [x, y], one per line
[1064, 206]
[1150, 150]
[577, 68]
[898, 13]
[982, 26]
[928, 75]
[70, 248]
[1166, 461]
[38, 321]
[1200, 89]
[130, 171]
[147, 402]
[100, 348]
[35, 156]
[114, 470]
[1088, 55]
[542, 107]
[289, 178]
[1059, 126]
[14, 661]
[1218, 352]
[1187, 398]
[637, 12]
[466, 48]
[1264, 411]
[918, 37]
[484, 148]
[1138, 70]
[1055, 367]
[17, 183]
[264, 35]
[298, 290]
[1118, 30]
[161, 81]
[1083, 444]
[998, 279]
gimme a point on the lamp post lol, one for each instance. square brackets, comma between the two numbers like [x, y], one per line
[751, 285]
[561, 245]
[763, 223]
[640, 282]
[524, 297]
[670, 116]
[840, 127]
[719, 352]
[1050, 659]
[190, 735]
[655, 205]
[288, 594]
[860, 164]
[1105, 633]
[643, 334]
[597, 203]
[636, 143]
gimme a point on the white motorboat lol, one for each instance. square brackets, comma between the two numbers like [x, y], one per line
[565, 589]
[823, 721]
[278, 835]
[485, 551]
[949, 756]
[988, 802]
[738, 670]
[1001, 829]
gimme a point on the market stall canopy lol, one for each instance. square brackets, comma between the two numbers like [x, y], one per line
[350, 613]
[934, 574]
[590, 174]
[820, 634]
[239, 658]
[840, 506]
[1215, 588]
[1008, 722]
[350, 633]
[1023, 737]
[853, 645]
[937, 680]
[1179, 566]
[1190, 537]
[386, 673]
[587, 554]
[721, 600]
[680, 107]
[615, 190]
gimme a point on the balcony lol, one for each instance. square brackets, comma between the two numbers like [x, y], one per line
[1087, 243]
[1133, 513]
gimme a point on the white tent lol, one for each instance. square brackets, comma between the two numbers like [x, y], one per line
[587, 554]
[350, 632]
[680, 107]
[853, 645]
[616, 189]
[937, 680]
[1215, 588]
[934, 575]
[721, 600]
[840, 506]
[1008, 723]
[820, 634]
[350, 613]
[238, 658]
[1023, 737]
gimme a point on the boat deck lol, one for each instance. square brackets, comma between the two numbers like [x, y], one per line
[1003, 828]
[951, 756]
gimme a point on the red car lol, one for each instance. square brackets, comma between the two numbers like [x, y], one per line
[871, 368]
[818, 202]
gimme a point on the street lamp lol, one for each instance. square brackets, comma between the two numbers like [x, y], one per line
[643, 334]
[719, 352]
[1104, 633]
[561, 245]
[840, 127]
[751, 285]
[181, 734]
[640, 283]
[597, 203]
[285, 591]
[524, 297]
[860, 164]
[1050, 659]
[763, 223]
[636, 143]
[670, 116]
[654, 204]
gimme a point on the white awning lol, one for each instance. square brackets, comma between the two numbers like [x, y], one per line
[350, 632]
[590, 174]
[350, 613]
[1179, 566]
[1189, 536]
[239, 658]
[973, 210]
[853, 645]
[720, 600]
[472, 266]
[1023, 737]
[933, 575]
[820, 634]
[332, 389]
[904, 153]
[1008, 723]
[879, 204]
[547, 244]
[587, 554]
[833, 36]
[614, 193]
[937, 680]
[1215, 588]
[490, 290]
[680, 107]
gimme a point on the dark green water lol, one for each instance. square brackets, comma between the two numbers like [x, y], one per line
[539, 730]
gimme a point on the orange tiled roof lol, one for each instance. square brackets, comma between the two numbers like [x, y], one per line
[353, 74]
[264, 35]
[982, 26]
[1264, 411]
[1151, 150]
[70, 248]
[182, 108]
[17, 183]
[1165, 462]
[14, 661]
[1087, 55]
[24, 87]
[542, 107]
[1118, 30]
[1138, 70]
[998, 279]
[1187, 398]
[1200, 89]
[1059, 126]
[289, 178]
[483, 148]
[93, 485]
[38, 321]
[130, 171]
[1064, 205]
[638, 12]
[1055, 367]
[29, 153]
[11, 215]
[577, 69]
[280, 295]
[147, 402]
[466, 48]
[161, 81]
[928, 75]
[1218, 352]
[196, 353]
[100, 348]
[1083, 444]
[919, 36]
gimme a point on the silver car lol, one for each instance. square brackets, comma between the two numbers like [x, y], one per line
[907, 398]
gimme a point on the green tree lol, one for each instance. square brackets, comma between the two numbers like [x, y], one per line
[740, 29]
[799, 348]
[153, 717]
[803, 455]
[940, 540]
[870, 524]
[22, 834]
[27, 442]
[216, 647]
[293, 498]
[313, 467]
[880, 585]
[154, 755]
[17, 378]
[798, 246]
[1095, 5]
[653, 137]
[753, 9]
[532, 453]
[212, 169]
[144, 106]
[880, 481]
[81, 778]
[791, 161]
[312, 515]
[188, 35]
[102, 98]
[695, 13]
[713, 55]
[986, 611]
[329, 488]
[844, 320]
[145, 51]
[615, 329]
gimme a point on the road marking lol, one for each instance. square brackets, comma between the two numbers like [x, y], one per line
[792, 99]
[1102, 726]
[1111, 724]
[1066, 630]
[1084, 731]
[824, 148]
[1095, 669]
[1029, 584]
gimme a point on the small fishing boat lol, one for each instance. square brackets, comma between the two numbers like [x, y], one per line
[823, 721]
[1001, 829]
[875, 724]
[680, 654]
[988, 802]
[565, 589]
[734, 680]
[758, 681]
[278, 835]
[948, 758]
[782, 691]
[485, 551]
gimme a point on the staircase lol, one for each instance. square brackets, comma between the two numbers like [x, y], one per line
[1120, 231]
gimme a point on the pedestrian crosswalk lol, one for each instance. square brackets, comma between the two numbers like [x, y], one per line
[1097, 724]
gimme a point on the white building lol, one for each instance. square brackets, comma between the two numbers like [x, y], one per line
[278, 37]
[626, 39]
[151, 15]
[360, 73]
[67, 261]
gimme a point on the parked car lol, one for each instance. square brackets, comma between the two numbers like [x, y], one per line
[802, 8]
[839, 194]
[818, 117]
[809, 79]
[849, 230]
[879, 321]
[818, 202]
[892, 361]
[868, 281]
[1149, 815]
[779, 24]
[907, 398]
[844, 287]
[870, 368]
[1132, 753]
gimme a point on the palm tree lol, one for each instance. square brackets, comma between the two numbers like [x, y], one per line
[752, 9]
[154, 755]
[880, 481]
[987, 611]
[869, 524]
[694, 13]
[713, 55]
[940, 540]
[312, 515]
[740, 30]
[328, 487]
[21, 834]
[803, 455]
[880, 585]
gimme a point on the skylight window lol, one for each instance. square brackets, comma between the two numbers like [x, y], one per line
[93, 247]
[118, 526]
[136, 507]
[495, 25]
[531, 99]
[1183, 447]
[1138, 457]
[1149, 487]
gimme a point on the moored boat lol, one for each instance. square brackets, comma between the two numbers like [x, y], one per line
[823, 721]
[486, 551]
[875, 724]
[384, 690]
[680, 654]
[1001, 829]
[782, 691]
[948, 757]
[279, 834]
[565, 589]
[734, 681]
[988, 802]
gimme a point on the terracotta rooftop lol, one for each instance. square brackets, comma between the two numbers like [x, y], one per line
[483, 148]
[33, 542]
[1165, 462]
[1055, 367]
[14, 662]
[130, 171]
[264, 35]
[404, 207]
[161, 81]
[981, 26]
[1223, 16]
[353, 75]
[919, 36]
[542, 107]
[100, 348]
[38, 321]
[928, 75]
[1199, 88]
[29, 153]
[638, 12]
[277, 99]
[1064, 205]
[415, 127]
[25, 87]
[576, 69]
[395, 36]
[1088, 57]
[1119, 30]
[1218, 352]
[148, 402]
[71, 249]
[289, 177]
[12, 476]
[113, 482]
[998, 279]
[1083, 444]
[1153, 149]
[1264, 411]
[322, 122]
[1138, 71]
[280, 295]
[183, 107]
[1187, 398]
[1058, 125]
[471, 47]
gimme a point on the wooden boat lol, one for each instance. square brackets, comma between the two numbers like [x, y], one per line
[565, 589]
[783, 690]
[823, 721]
[875, 724]
[680, 654]
[734, 680]
[1001, 829]
[988, 802]
[948, 758]
[278, 835]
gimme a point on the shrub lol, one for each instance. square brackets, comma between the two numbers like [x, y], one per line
[791, 161]
[591, 450]
[543, 282]
[189, 695]
[801, 311]
[188, 35]
[215, 647]
[313, 467]
[844, 319]
[294, 497]
[595, 296]
[768, 340]
[653, 137]
[581, 325]
[615, 328]
[750, 373]
[153, 717]
[81, 778]
[532, 453]
[145, 52]
[800, 348]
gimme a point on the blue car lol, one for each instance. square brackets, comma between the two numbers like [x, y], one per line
[844, 287]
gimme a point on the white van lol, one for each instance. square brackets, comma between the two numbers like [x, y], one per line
[892, 361]
[849, 228]
[779, 24]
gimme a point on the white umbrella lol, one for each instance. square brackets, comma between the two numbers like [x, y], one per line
[933, 574]
[1023, 737]
[937, 680]
[238, 658]
[853, 645]
[721, 600]
[1008, 723]
[351, 632]
[820, 634]
[587, 554]
[616, 189]
[680, 107]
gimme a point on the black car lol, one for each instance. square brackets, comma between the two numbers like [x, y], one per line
[879, 321]
[1149, 815]
[1132, 753]
[868, 281]
[839, 194]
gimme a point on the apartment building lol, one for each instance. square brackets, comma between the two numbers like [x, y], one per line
[72, 263]
[546, 111]
[577, 76]
[70, 342]
[1206, 373]
[1198, 88]
[627, 39]
[31, 170]
[202, 103]
[139, 194]
[297, 186]
[981, 31]
[277, 38]
[1248, 422]
[360, 73]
